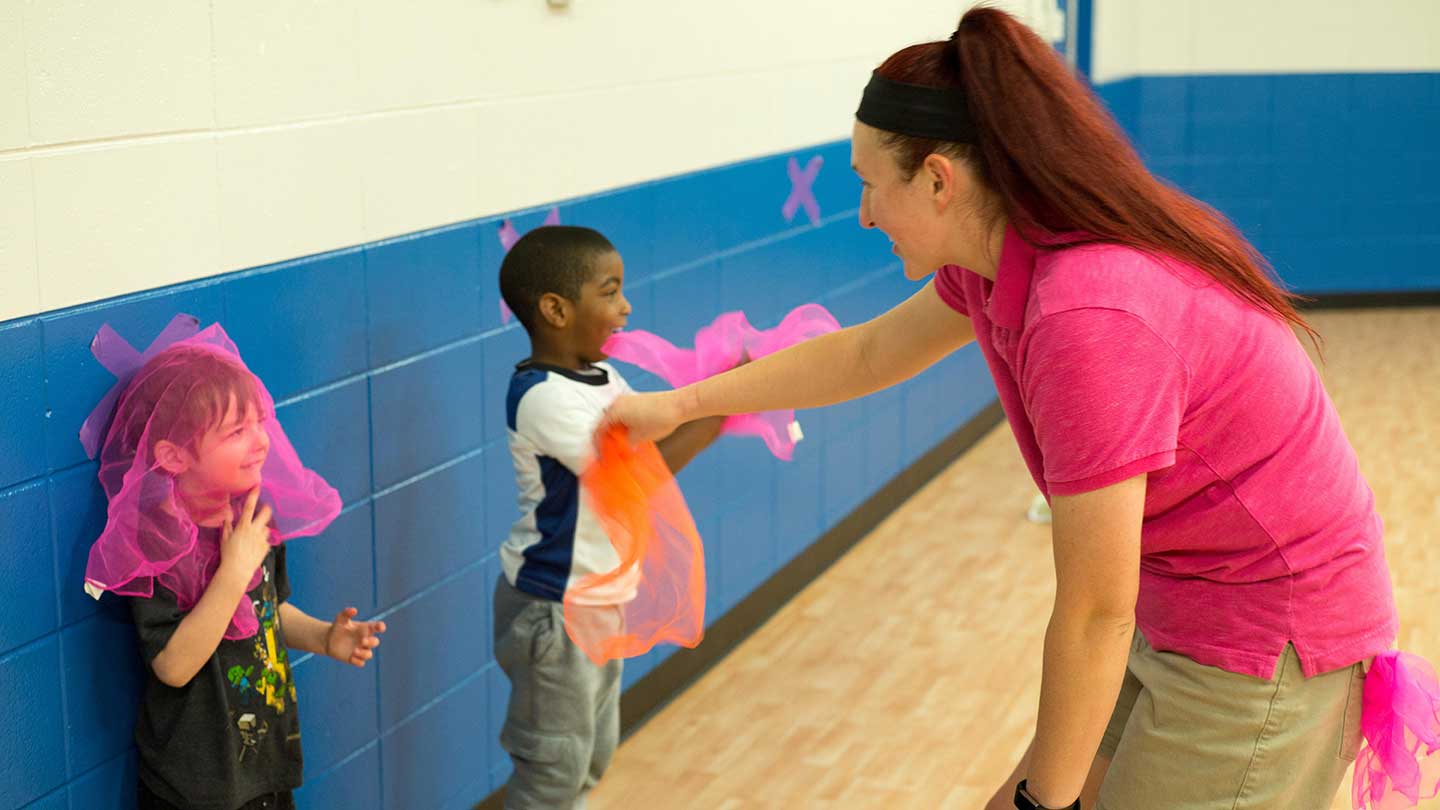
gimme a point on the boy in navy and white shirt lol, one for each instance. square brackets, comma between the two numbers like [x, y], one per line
[552, 413]
[565, 285]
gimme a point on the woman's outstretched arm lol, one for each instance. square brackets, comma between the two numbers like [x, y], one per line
[832, 368]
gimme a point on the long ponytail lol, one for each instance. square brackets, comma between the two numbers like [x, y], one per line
[1059, 163]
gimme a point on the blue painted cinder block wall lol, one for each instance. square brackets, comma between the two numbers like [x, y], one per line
[389, 364]
[1334, 177]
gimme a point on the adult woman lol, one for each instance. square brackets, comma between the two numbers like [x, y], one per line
[1201, 485]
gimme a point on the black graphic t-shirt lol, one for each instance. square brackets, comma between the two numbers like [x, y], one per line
[233, 732]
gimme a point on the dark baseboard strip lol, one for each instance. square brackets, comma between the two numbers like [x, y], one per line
[664, 683]
[1377, 300]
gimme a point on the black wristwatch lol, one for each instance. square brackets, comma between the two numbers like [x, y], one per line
[1024, 801]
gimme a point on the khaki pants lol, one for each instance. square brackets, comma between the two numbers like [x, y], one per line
[1186, 736]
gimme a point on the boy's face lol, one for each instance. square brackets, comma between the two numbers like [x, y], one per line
[602, 309]
[228, 458]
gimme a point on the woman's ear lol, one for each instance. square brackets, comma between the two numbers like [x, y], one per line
[171, 458]
[555, 310]
[939, 172]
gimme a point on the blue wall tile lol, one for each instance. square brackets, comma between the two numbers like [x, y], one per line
[56, 800]
[32, 751]
[424, 291]
[747, 284]
[683, 212]
[470, 794]
[1123, 100]
[408, 401]
[331, 433]
[300, 324]
[1163, 136]
[103, 677]
[354, 785]
[746, 201]
[842, 488]
[746, 469]
[27, 580]
[429, 528]
[689, 300]
[1161, 95]
[747, 530]
[338, 703]
[1230, 96]
[22, 409]
[1343, 158]
[111, 785]
[797, 504]
[422, 762]
[411, 675]
[884, 437]
[502, 350]
[335, 569]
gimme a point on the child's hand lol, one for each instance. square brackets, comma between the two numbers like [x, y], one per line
[245, 542]
[350, 641]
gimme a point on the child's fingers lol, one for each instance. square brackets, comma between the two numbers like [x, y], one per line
[263, 519]
[228, 529]
[248, 511]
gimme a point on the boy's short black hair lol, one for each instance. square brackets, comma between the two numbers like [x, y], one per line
[550, 259]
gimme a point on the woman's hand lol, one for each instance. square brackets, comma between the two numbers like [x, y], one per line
[649, 417]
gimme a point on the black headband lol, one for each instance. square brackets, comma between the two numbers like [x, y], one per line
[912, 109]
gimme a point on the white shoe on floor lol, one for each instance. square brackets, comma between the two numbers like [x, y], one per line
[1039, 511]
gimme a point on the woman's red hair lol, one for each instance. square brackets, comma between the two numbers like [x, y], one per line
[1059, 163]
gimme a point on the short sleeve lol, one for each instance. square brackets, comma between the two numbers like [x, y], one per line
[559, 424]
[156, 619]
[1105, 395]
[949, 285]
[282, 577]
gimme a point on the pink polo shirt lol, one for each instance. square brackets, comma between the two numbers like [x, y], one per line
[1259, 528]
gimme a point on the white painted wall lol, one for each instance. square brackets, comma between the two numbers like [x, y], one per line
[143, 144]
[1169, 37]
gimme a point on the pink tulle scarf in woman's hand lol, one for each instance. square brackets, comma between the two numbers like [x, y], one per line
[1399, 762]
[720, 347]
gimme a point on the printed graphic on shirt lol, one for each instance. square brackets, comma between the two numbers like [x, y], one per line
[264, 683]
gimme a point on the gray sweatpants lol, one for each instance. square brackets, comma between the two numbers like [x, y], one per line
[564, 718]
